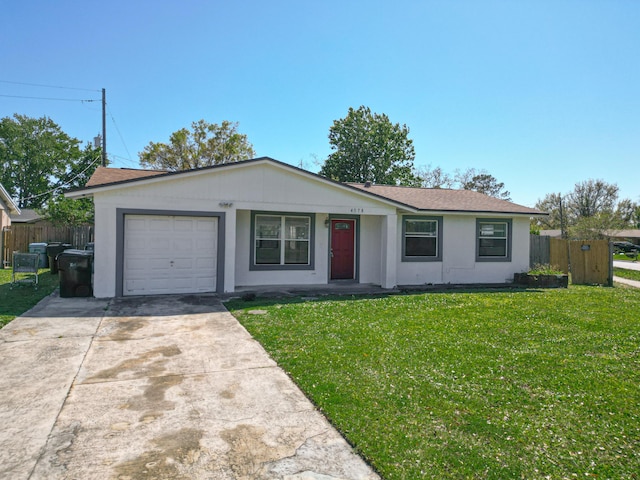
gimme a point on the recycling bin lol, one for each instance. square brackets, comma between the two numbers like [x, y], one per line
[53, 250]
[74, 270]
[41, 250]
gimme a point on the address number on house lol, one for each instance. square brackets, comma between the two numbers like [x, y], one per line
[357, 210]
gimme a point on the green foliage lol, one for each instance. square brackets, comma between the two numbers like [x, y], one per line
[492, 385]
[487, 184]
[534, 228]
[368, 147]
[469, 179]
[17, 300]
[626, 273]
[64, 211]
[35, 158]
[589, 211]
[204, 145]
[545, 269]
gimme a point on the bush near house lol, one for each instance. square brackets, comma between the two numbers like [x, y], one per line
[491, 384]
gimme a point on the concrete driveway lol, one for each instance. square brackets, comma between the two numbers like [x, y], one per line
[159, 387]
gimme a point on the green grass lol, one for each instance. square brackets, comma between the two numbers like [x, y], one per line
[489, 384]
[17, 300]
[624, 273]
[623, 257]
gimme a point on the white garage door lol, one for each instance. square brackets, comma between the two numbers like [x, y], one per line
[169, 254]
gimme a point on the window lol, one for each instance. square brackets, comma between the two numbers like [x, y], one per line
[281, 241]
[421, 239]
[493, 240]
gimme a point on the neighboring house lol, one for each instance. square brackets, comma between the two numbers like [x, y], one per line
[551, 233]
[261, 222]
[631, 235]
[26, 215]
[7, 208]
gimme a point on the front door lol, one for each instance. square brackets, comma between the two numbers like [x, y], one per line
[343, 249]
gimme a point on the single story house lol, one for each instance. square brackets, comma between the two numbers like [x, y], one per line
[26, 215]
[262, 222]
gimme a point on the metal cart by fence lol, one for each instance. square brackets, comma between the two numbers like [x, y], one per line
[25, 265]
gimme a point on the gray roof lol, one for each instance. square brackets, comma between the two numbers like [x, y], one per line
[424, 199]
[27, 215]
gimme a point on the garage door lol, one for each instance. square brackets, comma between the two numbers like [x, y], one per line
[169, 254]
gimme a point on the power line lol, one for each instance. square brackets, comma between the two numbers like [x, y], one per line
[127, 161]
[51, 98]
[58, 187]
[119, 134]
[49, 86]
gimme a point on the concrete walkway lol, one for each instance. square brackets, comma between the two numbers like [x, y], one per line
[164, 387]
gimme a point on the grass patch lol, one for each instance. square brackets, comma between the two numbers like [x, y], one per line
[625, 273]
[492, 385]
[17, 300]
[623, 257]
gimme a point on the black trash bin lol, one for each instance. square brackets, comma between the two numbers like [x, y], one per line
[75, 273]
[53, 250]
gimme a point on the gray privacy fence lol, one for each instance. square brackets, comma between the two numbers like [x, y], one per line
[539, 250]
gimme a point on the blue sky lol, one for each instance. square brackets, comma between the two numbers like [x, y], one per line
[542, 94]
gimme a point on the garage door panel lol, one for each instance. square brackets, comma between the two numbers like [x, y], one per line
[169, 254]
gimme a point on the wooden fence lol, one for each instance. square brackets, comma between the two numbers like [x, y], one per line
[589, 261]
[18, 237]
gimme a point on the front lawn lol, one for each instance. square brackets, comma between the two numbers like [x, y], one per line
[17, 300]
[625, 273]
[488, 384]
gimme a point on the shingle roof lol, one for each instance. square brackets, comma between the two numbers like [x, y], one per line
[106, 175]
[27, 215]
[442, 199]
[427, 199]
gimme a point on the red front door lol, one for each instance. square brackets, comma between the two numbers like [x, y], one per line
[342, 249]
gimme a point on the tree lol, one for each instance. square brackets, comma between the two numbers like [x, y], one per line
[368, 147]
[65, 211]
[484, 183]
[629, 213]
[552, 204]
[589, 211]
[204, 145]
[35, 157]
[592, 197]
[435, 178]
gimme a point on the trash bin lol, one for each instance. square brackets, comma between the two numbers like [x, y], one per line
[90, 246]
[40, 249]
[75, 273]
[53, 250]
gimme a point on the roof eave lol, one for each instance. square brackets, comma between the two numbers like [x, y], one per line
[9, 201]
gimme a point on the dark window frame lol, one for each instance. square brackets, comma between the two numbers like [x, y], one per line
[438, 237]
[273, 266]
[508, 240]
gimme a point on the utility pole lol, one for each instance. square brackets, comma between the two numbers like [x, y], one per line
[104, 128]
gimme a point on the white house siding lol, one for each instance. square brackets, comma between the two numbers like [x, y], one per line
[458, 265]
[236, 192]
[371, 232]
